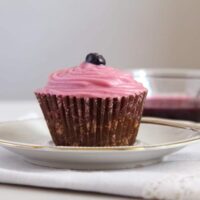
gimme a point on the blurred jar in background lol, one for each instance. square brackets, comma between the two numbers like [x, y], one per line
[172, 93]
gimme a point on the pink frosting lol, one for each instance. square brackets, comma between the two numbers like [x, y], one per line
[88, 80]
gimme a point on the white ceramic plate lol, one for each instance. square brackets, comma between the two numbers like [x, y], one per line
[156, 138]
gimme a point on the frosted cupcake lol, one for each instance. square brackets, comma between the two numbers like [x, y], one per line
[92, 105]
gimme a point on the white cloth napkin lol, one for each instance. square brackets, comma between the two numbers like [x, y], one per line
[177, 177]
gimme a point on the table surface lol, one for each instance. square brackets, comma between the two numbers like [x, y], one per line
[14, 110]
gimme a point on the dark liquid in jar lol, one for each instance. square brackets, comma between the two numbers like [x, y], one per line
[178, 107]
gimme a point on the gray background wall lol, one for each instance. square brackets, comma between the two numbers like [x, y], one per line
[38, 36]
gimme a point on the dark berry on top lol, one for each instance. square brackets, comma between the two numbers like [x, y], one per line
[95, 59]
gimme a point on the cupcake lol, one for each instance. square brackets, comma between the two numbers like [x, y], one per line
[92, 105]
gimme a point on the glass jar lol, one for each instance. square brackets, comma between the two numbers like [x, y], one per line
[172, 93]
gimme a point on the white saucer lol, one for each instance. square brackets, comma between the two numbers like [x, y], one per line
[156, 139]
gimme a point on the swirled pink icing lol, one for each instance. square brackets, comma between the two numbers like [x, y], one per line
[88, 80]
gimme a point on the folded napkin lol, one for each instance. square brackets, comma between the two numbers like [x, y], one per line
[177, 177]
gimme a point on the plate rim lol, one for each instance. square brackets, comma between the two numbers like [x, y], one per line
[144, 120]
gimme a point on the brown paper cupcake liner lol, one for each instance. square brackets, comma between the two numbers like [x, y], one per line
[76, 121]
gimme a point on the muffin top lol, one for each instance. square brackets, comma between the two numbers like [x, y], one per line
[92, 80]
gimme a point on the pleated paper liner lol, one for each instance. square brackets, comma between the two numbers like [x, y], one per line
[92, 121]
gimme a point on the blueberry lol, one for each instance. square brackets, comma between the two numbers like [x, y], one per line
[95, 58]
